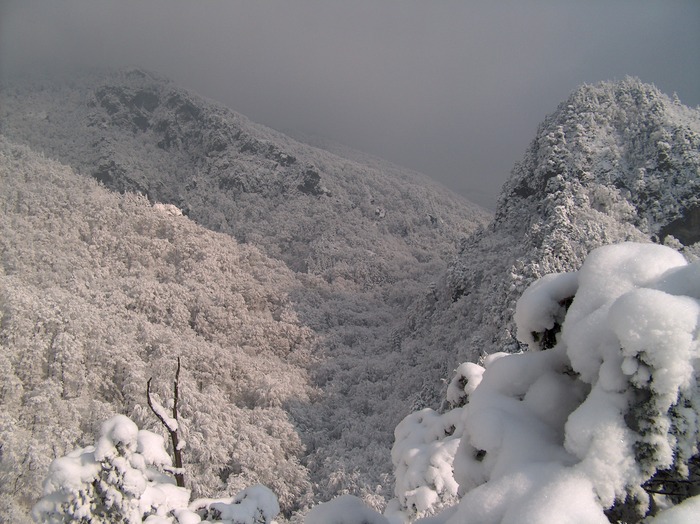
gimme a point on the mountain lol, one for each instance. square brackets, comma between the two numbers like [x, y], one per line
[355, 245]
[616, 161]
[317, 297]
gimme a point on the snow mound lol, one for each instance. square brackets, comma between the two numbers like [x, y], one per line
[346, 509]
[254, 505]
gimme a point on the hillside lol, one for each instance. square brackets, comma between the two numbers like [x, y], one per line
[361, 243]
[94, 303]
[615, 162]
[134, 131]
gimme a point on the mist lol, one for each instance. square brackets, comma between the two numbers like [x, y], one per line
[454, 89]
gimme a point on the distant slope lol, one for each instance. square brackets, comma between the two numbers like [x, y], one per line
[135, 131]
[616, 161]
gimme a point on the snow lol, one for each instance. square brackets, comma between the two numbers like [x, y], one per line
[162, 413]
[540, 306]
[423, 453]
[168, 209]
[254, 505]
[684, 513]
[647, 318]
[185, 516]
[574, 429]
[152, 447]
[611, 271]
[72, 471]
[117, 430]
[346, 509]
[465, 380]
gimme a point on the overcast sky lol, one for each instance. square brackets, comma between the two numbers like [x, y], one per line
[454, 89]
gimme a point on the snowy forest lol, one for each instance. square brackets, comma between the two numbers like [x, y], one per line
[324, 337]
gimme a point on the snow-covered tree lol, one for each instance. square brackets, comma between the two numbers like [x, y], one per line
[124, 478]
[119, 479]
[599, 421]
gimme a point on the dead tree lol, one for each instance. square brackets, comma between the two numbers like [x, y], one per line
[171, 424]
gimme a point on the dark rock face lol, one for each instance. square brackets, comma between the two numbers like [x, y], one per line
[686, 228]
[128, 105]
[147, 100]
[311, 184]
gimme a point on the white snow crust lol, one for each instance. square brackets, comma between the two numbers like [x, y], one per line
[346, 509]
[163, 414]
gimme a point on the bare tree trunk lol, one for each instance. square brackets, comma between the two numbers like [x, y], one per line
[172, 428]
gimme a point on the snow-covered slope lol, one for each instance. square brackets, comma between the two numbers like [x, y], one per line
[616, 161]
[319, 212]
[362, 241]
[94, 301]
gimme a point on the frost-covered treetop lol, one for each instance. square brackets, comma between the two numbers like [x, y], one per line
[597, 422]
[623, 148]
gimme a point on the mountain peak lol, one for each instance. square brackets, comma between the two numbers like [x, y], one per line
[621, 148]
[616, 161]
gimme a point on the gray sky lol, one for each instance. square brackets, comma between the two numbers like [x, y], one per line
[454, 89]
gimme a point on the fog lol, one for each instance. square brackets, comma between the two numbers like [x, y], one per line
[454, 89]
